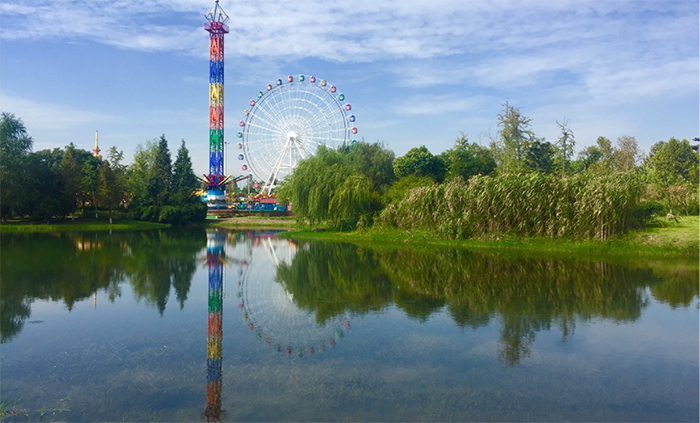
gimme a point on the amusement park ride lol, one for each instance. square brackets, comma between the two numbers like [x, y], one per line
[284, 124]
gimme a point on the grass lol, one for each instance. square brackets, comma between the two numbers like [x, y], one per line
[661, 238]
[82, 224]
[254, 222]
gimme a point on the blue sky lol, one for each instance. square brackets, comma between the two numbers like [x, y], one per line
[416, 72]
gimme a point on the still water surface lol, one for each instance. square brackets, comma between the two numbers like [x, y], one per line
[244, 326]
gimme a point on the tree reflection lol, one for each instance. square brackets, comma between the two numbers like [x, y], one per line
[526, 294]
[72, 267]
[331, 279]
[529, 294]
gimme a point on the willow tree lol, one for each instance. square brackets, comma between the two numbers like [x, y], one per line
[336, 188]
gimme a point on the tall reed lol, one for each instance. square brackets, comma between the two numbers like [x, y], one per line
[522, 204]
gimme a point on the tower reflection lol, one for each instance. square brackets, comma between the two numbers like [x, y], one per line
[215, 263]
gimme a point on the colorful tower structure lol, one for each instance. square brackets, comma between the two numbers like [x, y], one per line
[215, 263]
[216, 180]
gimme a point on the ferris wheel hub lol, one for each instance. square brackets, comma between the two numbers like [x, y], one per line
[293, 136]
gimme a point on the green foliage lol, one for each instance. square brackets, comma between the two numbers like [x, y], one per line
[514, 137]
[540, 156]
[70, 172]
[15, 146]
[673, 169]
[160, 174]
[564, 147]
[161, 192]
[534, 204]
[627, 154]
[330, 279]
[647, 209]
[467, 159]
[403, 186]
[419, 161]
[339, 187]
[46, 186]
[184, 180]
[598, 158]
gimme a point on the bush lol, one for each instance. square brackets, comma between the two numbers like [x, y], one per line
[647, 209]
[530, 204]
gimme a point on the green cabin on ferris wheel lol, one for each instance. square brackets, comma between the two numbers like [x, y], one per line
[216, 180]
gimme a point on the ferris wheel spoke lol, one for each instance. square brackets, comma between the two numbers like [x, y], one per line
[288, 123]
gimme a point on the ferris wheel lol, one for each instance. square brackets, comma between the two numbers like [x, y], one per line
[287, 123]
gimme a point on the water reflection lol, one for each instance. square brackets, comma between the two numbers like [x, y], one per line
[277, 315]
[527, 295]
[300, 299]
[71, 267]
[215, 264]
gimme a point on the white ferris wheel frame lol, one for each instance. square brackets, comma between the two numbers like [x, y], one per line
[288, 122]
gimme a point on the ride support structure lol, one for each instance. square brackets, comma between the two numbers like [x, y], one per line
[216, 180]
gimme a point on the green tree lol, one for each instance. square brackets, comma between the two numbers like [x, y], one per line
[160, 175]
[467, 159]
[672, 164]
[419, 161]
[372, 160]
[109, 193]
[115, 158]
[90, 172]
[597, 158]
[45, 186]
[514, 137]
[71, 174]
[331, 188]
[15, 145]
[184, 180]
[137, 175]
[540, 156]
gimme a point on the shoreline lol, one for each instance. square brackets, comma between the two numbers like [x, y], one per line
[661, 240]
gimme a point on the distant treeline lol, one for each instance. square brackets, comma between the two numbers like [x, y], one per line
[519, 185]
[62, 182]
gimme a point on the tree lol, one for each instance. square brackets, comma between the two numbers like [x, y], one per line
[150, 186]
[515, 135]
[109, 193]
[71, 174]
[671, 166]
[137, 181]
[419, 161]
[184, 180]
[15, 145]
[373, 161]
[627, 154]
[540, 156]
[467, 159]
[564, 147]
[115, 158]
[90, 171]
[45, 186]
[330, 187]
[160, 175]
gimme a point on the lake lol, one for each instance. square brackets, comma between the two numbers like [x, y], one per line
[216, 325]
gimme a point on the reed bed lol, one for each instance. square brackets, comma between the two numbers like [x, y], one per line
[523, 204]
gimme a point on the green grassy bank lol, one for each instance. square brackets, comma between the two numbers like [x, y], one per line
[78, 225]
[661, 238]
[254, 222]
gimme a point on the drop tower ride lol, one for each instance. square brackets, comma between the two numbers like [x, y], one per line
[216, 180]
